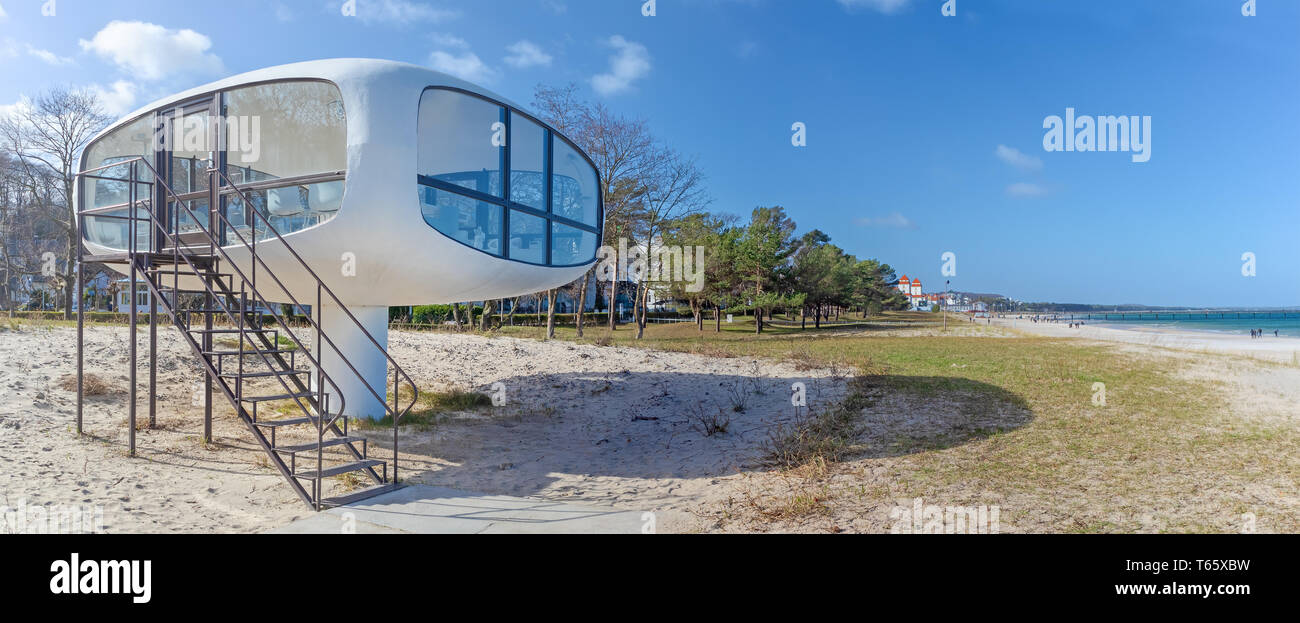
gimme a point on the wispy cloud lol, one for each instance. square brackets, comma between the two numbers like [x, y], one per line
[3, 15]
[525, 54]
[884, 6]
[1026, 190]
[118, 98]
[446, 40]
[48, 57]
[630, 62]
[465, 65]
[1018, 159]
[895, 220]
[153, 52]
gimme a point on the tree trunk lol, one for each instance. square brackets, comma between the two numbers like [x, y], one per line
[550, 314]
[717, 319]
[758, 321]
[613, 300]
[698, 311]
[803, 317]
[486, 319]
[582, 302]
[455, 314]
[639, 310]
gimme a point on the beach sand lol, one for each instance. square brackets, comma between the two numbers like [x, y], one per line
[601, 425]
[1278, 349]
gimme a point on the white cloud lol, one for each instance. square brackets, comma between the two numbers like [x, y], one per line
[152, 52]
[23, 104]
[893, 219]
[1018, 159]
[117, 99]
[401, 12]
[466, 66]
[884, 6]
[3, 15]
[525, 54]
[442, 39]
[1026, 190]
[630, 63]
[48, 56]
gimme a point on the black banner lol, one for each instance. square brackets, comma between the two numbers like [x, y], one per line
[1105, 573]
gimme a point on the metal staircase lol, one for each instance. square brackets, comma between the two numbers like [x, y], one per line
[266, 354]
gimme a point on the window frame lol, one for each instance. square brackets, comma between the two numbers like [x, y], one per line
[505, 201]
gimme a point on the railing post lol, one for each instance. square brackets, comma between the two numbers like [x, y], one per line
[81, 308]
[134, 260]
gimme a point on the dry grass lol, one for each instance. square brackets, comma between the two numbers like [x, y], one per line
[91, 385]
[976, 416]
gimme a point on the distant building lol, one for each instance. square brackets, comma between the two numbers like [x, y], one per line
[916, 297]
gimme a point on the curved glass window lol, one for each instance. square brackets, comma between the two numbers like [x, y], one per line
[285, 129]
[479, 161]
[573, 185]
[284, 144]
[527, 162]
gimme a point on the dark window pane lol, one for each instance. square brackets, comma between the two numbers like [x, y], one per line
[571, 246]
[475, 223]
[460, 140]
[527, 158]
[527, 238]
[574, 187]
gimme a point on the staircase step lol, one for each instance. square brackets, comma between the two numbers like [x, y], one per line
[339, 469]
[357, 496]
[279, 397]
[288, 422]
[255, 375]
[337, 441]
[251, 351]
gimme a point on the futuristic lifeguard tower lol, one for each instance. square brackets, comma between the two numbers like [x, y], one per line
[340, 186]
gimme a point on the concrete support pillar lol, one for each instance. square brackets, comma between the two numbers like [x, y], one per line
[368, 360]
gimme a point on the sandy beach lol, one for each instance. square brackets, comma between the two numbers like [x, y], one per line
[603, 425]
[1278, 349]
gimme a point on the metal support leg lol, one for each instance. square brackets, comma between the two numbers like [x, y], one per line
[131, 408]
[207, 381]
[81, 337]
[153, 362]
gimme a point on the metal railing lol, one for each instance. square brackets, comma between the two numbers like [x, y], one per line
[324, 420]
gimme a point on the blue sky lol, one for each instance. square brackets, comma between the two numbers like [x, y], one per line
[924, 132]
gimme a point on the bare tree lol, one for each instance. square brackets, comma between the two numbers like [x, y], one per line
[622, 149]
[674, 188]
[51, 133]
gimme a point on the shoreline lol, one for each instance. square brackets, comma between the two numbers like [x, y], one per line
[1281, 349]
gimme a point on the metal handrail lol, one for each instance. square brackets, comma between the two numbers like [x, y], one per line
[178, 254]
[398, 373]
[396, 411]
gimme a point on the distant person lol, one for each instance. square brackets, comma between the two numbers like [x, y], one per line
[1274, 332]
